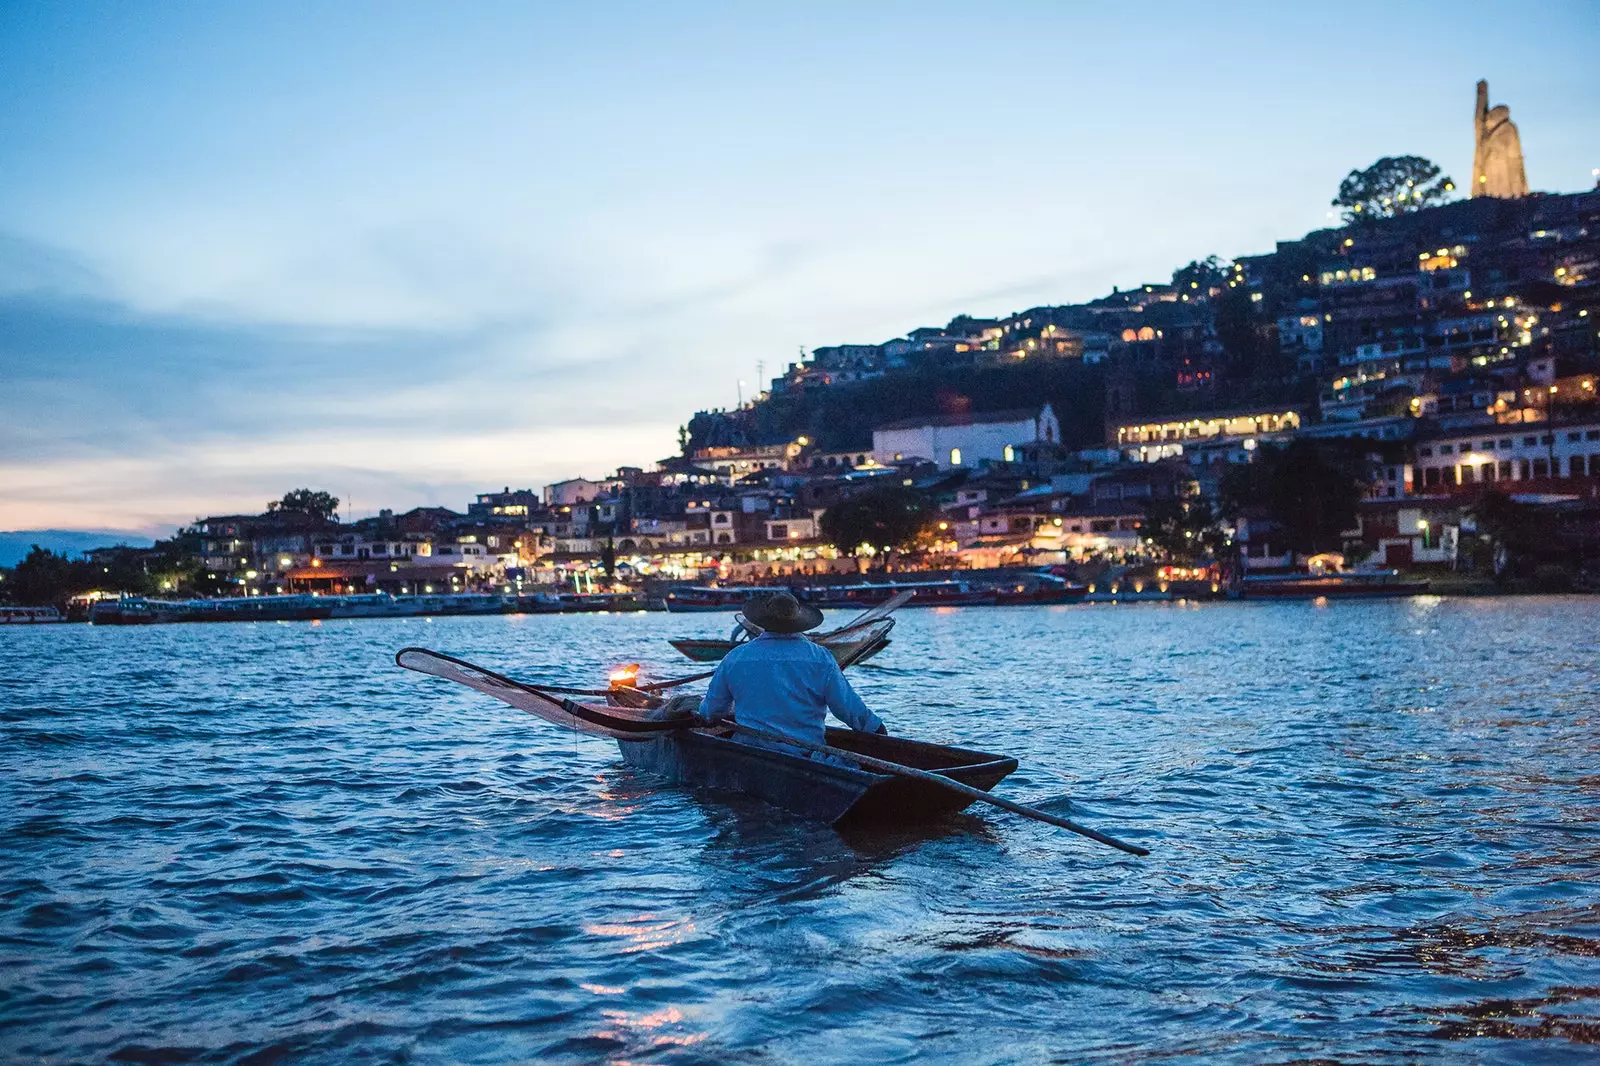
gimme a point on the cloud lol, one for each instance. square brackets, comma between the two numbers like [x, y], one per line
[113, 414]
[27, 266]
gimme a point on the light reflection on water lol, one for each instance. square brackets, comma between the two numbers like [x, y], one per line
[1374, 828]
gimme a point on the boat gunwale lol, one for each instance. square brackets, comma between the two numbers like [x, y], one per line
[725, 735]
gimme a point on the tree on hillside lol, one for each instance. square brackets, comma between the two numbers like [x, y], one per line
[1183, 529]
[1201, 275]
[1256, 370]
[1394, 185]
[1308, 488]
[882, 518]
[320, 505]
[842, 416]
[45, 577]
[1520, 535]
[41, 578]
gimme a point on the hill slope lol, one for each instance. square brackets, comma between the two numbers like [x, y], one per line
[15, 544]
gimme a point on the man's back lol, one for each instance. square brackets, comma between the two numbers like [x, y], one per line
[785, 684]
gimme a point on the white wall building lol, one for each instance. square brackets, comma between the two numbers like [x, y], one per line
[964, 440]
[572, 491]
[1532, 452]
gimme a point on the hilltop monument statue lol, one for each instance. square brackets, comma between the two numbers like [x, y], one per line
[1497, 152]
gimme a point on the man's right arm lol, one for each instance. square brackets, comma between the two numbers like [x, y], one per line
[848, 707]
[718, 703]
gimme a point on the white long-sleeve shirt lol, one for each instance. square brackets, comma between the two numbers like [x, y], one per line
[785, 684]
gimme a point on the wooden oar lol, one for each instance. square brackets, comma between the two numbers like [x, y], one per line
[884, 766]
[866, 618]
[865, 648]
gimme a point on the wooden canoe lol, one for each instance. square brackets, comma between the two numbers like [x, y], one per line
[846, 652]
[819, 790]
[851, 644]
[705, 651]
[653, 736]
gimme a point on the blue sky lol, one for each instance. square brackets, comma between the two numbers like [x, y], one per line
[407, 253]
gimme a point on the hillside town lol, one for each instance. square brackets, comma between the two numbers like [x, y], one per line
[1445, 355]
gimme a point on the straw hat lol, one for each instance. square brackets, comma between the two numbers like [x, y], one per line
[780, 612]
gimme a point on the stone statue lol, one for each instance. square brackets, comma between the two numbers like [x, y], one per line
[1497, 152]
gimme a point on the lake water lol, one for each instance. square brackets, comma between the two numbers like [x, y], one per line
[1375, 835]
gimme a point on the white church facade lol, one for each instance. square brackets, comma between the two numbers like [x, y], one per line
[964, 440]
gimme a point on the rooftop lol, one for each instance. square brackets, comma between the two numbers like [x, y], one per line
[964, 418]
[1209, 416]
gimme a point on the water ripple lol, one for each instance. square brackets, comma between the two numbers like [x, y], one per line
[1375, 830]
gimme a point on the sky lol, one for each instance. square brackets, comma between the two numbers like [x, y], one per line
[407, 253]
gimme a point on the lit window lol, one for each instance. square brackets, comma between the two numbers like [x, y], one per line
[955, 456]
[1010, 454]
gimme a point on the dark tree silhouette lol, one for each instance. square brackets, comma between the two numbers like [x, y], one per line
[45, 577]
[608, 554]
[321, 505]
[1183, 529]
[1308, 488]
[1200, 276]
[881, 518]
[1394, 185]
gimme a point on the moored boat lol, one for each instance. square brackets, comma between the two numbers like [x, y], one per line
[589, 602]
[373, 605]
[1040, 589]
[1372, 584]
[29, 616]
[923, 594]
[134, 610]
[702, 598]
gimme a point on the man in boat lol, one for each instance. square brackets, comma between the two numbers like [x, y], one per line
[780, 682]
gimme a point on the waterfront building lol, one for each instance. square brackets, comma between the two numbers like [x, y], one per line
[1538, 458]
[1419, 531]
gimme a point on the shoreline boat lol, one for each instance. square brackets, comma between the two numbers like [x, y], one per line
[1370, 584]
[593, 602]
[134, 610]
[29, 616]
[1041, 589]
[703, 598]
[923, 594]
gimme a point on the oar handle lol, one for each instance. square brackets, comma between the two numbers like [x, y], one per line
[884, 765]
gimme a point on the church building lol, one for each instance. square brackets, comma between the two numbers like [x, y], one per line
[966, 439]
